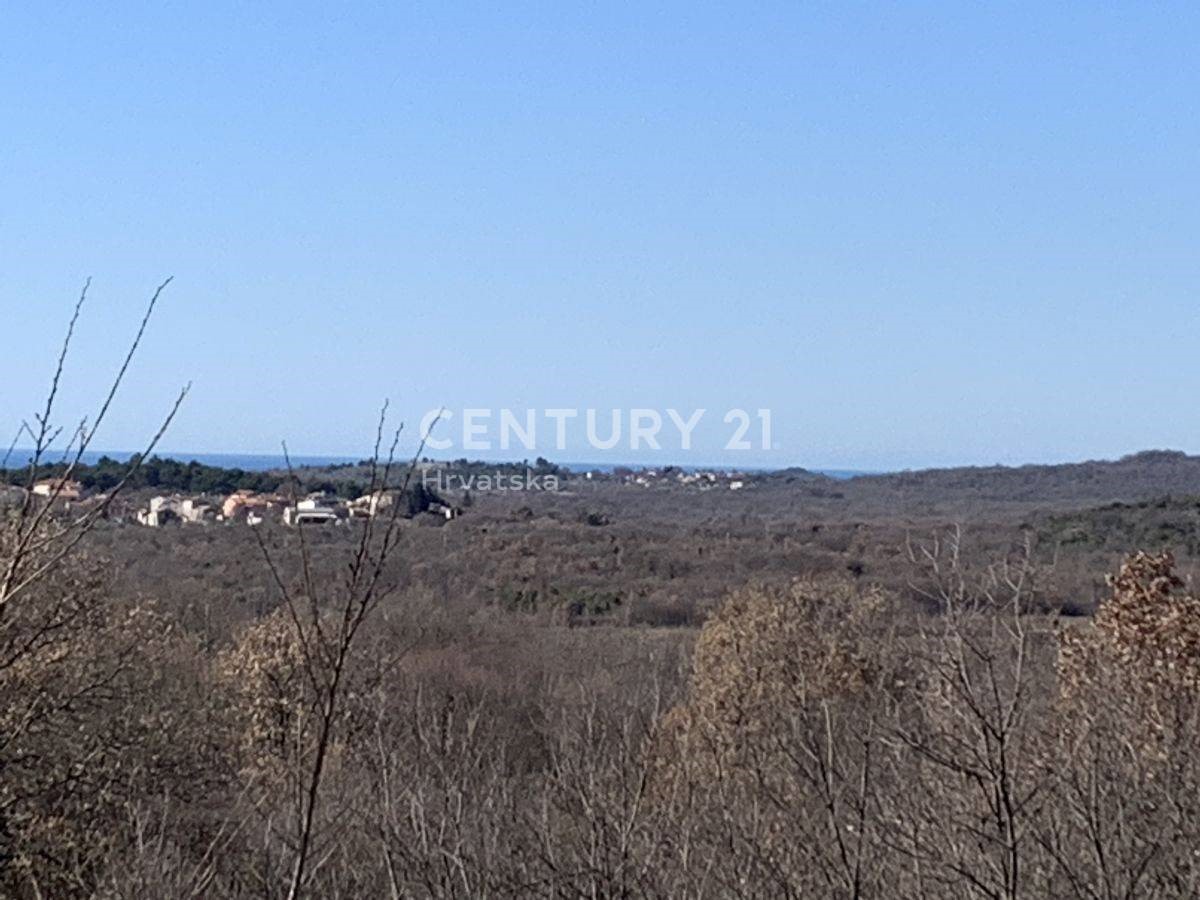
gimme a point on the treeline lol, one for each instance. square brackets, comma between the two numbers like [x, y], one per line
[190, 477]
[197, 478]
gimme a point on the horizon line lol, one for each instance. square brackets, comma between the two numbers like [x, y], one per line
[316, 460]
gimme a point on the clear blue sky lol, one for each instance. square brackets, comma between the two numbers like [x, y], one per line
[920, 233]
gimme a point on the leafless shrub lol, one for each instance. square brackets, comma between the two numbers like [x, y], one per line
[964, 745]
[308, 656]
[34, 541]
[73, 663]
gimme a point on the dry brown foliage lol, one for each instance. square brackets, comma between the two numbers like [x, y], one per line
[769, 653]
[1149, 631]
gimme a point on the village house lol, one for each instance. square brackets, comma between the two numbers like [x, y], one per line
[59, 489]
[163, 510]
[309, 515]
[237, 502]
[160, 511]
[370, 505]
[197, 511]
[318, 502]
[240, 504]
[155, 518]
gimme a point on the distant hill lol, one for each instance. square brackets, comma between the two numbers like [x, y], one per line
[1131, 479]
[796, 473]
[1165, 524]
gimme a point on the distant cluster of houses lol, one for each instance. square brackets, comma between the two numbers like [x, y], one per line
[245, 507]
[703, 480]
[251, 508]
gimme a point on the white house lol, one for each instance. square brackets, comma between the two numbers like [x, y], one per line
[309, 515]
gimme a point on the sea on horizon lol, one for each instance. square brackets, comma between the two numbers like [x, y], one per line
[262, 462]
